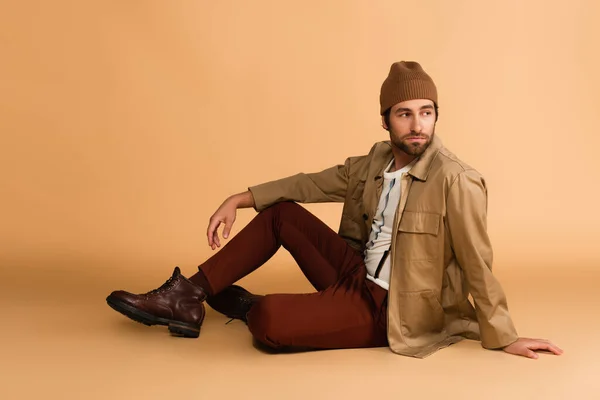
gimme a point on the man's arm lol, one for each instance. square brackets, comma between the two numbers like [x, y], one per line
[329, 185]
[466, 214]
[467, 223]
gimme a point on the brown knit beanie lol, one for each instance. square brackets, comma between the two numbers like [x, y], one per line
[406, 81]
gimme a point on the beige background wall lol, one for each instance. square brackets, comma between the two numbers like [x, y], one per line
[124, 125]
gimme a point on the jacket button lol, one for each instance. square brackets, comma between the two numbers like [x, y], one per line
[365, 217]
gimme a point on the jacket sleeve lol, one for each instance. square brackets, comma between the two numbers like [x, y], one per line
[467, 222]
[329, 185]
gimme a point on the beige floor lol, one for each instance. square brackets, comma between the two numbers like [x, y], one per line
[61, 341]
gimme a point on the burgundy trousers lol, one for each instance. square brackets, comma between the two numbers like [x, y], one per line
[346, 311]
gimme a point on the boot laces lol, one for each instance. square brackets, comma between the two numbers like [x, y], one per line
[164, 287]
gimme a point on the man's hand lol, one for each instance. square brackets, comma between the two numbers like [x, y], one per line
[526, 347]
[226, 214]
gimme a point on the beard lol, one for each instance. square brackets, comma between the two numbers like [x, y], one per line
[412, 148]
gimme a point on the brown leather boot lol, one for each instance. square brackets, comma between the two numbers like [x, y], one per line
[234, 302]
[176, 304]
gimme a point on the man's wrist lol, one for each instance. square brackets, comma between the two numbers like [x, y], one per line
[242, 200]
[234, 200]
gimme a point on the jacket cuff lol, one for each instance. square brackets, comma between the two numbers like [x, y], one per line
[259, 193]
[501, 343]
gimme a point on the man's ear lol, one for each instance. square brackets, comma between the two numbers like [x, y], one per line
[383, 124]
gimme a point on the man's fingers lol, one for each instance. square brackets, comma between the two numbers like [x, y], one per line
[209, 232]
[227, 229]
[216, 239]
[552, 347]
[546, 346]
[556, 350]
[212, 230]
[530, 354]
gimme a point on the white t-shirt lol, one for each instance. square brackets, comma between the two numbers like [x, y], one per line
[377, 250]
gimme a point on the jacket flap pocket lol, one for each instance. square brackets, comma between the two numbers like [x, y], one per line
[357, 189]
[420, 222]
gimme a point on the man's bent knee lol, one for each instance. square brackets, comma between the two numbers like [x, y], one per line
[284, 207]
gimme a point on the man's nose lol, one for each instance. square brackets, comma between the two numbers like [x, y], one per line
[417, 127]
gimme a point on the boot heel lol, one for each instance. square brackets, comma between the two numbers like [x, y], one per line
[185, 330]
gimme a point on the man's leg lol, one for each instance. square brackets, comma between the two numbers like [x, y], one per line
[319, 251]
[349, 315]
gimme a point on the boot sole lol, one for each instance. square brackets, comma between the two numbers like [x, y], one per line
[178, 328]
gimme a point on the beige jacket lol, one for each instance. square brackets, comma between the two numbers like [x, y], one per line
[440, 251]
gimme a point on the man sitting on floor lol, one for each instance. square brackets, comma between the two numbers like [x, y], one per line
[412, 245]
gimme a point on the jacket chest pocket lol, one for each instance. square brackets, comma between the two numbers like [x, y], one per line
[353, 206]
[357, 189]
[419, 236]
[353, 226]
